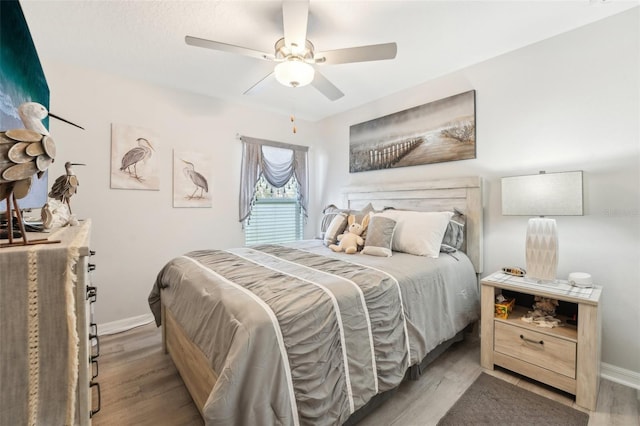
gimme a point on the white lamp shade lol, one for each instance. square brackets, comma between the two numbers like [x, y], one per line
[545, 194]
[294, 73]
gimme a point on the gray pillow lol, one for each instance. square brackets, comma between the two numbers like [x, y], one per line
[328, 213]
[360, 214]
[454, 234]
[336, 227]
[331, 211]
[379, 236]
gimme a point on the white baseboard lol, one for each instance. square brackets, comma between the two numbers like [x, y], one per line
[620, 375]
[119, 326]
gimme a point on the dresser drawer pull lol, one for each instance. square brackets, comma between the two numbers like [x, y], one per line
[540, 342]
[97, 386]
[94, 350]
[94, 368]
[92, 293]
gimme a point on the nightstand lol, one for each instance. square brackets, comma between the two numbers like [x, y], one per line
[566, 357]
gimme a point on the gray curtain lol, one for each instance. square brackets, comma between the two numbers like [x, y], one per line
[259, 158]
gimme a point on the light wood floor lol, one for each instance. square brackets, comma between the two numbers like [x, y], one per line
[140, 386]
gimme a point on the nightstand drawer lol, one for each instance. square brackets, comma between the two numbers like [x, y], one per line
[543, 350]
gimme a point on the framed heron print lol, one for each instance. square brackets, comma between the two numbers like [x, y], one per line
[439, 131]
[134, 162]
[191, 179]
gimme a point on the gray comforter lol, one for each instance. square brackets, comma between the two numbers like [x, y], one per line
[302, 335]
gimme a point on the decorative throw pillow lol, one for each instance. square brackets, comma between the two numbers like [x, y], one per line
[379, 236]
[454, 234]
[418, 233]
[360, 214]
[328, 213]
[331, 211]
[336, 227]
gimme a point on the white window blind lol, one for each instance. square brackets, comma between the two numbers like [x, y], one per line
[276, 215]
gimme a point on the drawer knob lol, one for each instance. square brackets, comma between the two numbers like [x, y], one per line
[540, 342]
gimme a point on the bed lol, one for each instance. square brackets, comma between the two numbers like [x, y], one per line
[297, 334]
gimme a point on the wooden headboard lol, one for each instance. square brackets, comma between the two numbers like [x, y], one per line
[463, 194]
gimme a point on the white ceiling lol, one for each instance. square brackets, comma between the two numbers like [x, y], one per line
[145, 40]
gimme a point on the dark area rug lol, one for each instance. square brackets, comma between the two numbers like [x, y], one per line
[491, 401]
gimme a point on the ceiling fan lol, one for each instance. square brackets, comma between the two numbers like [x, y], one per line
[295, 55]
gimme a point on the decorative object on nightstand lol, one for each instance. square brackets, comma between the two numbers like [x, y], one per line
[543, 313]
[580, 279]
[504, 306]
[544, 194]
[515, 271]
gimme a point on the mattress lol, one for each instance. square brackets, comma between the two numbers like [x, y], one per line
[299, 334]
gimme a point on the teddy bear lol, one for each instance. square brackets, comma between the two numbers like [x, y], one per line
[351, 239]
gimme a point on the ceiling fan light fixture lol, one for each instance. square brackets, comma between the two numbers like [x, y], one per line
[294, 73]
[294, 54]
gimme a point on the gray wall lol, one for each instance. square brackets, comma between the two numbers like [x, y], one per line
[567, 103]
[136, 232]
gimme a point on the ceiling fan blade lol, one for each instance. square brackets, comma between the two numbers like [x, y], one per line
[373, 52]
[224, 47]
[295, 15]
[260, 85]
[326, 87]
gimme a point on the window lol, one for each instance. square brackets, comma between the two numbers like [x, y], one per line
[273, 191]
[276, 215]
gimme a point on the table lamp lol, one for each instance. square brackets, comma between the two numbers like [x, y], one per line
[544, 194]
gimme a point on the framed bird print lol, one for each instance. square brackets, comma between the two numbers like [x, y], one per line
[191, 179]
[134, 159]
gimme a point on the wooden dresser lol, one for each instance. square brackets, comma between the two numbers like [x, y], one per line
[45, 367]
[566, 357]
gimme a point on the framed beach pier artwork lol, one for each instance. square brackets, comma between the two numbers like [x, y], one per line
[439, 131]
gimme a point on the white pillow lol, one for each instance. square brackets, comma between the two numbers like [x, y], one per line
[418, 233]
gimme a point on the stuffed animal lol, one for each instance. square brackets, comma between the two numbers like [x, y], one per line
[351, 239]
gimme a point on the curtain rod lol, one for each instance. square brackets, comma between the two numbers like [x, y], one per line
[275, 144]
